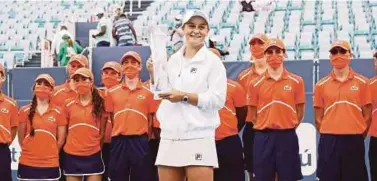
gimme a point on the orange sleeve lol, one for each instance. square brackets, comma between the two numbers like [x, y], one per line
[22, 116]
[365, 94]
[14, 120]
[317, 97]
[239, 97]
[253, 95]
[61, 118]
[152, 104]
[109, 107]
[300, 92]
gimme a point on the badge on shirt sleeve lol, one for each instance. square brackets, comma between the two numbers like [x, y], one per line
[141, 97]
[4, 110]
[51, 118]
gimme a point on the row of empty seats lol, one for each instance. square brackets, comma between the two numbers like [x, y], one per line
[307, 27]
[24, 24]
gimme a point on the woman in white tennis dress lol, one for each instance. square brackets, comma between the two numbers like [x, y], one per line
[188, 114]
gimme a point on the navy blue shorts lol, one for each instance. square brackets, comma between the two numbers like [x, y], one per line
[61, 161]
[276, 152]
[248, 141]
[38, 173]
[373, 157]
[106, 158]
[231, 165]
[341, 157]
[153, 145]
[5, 163]
[130, 158]
[83, 165]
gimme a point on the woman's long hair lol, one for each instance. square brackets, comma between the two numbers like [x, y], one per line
[34, 104]
[98, 104]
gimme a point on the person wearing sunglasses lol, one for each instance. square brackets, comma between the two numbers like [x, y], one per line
[277, 98]
[86, 130]
[373, 127]
[257, 68]
[342, 105]
[9, 125]
[133, 107]
[41, 134]
[111, 76]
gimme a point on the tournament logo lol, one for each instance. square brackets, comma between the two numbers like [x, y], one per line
[51, 119]
[354, 88]
[4, 110]
[141, 97]
[287, 88]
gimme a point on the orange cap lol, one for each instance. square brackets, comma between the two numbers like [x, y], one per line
[342, 44]
[113, 65]
[132, 54]
[2, 69]
[46, 77]
[80, 59]
[215, 51]
[274, 42]
[260, 36]
[84, 72]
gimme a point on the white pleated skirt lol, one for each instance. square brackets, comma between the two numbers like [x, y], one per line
[192, 152]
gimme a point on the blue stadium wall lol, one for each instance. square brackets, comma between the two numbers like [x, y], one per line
[20, 80]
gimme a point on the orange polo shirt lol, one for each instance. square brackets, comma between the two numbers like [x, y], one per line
[8, 118]
[41, 150]
[235, 97]
[276, 100]
[109, 125]
[83, 137]
[131, 109]
[373, 93]
[244, 79]
[156, 123]
[342, 103]
[61, 94]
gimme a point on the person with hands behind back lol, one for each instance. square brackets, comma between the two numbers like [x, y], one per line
[245, 78]
[228, 143]
[41, 134]
[342, 106]
[111, 77]
[132, 106]
[188, 113]
[9, 125]
[154, 132]
[87, 124]
[277, 98]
